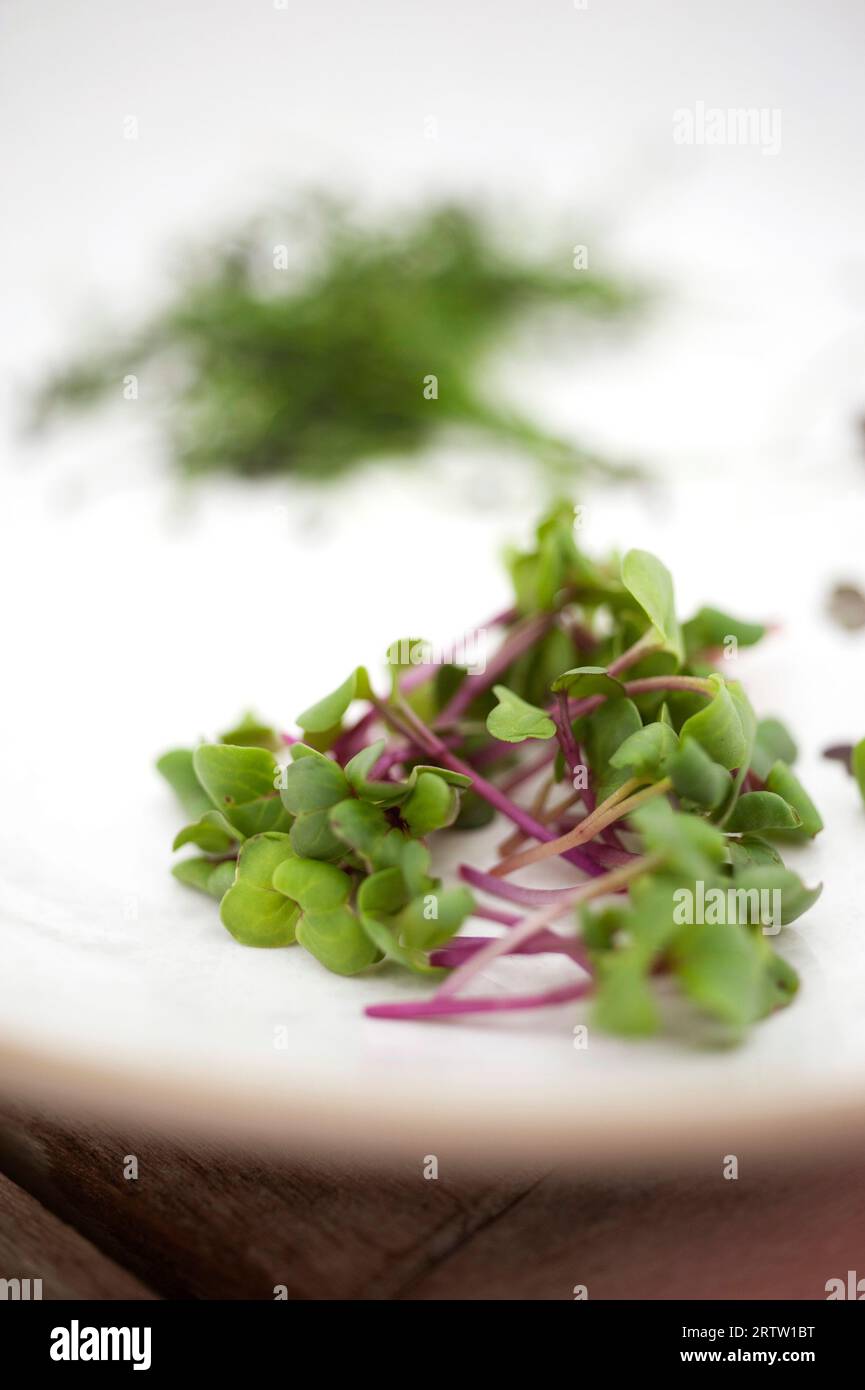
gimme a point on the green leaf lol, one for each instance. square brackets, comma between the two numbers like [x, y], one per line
[432, 919]
[357, 771]
[453, 779]
[382, 893]
[689, 844]
[327, 713]
[431, 805]
[412, 858]
[203, 874]
[314, 886]
[780, 984]
[711, 628]
[718, 727]
[720, 968]
[786, 784]
[763, 811]
[647, 752]
[383, 938]
[178, 769]
[795, 897]
[311, 782]
[234, 776]
[696, 777]
[240, 783]
[313, 838]
[752, 850]
[602, 733]
[624, 1003]
[772, 743]
[858, 764]
[252, 732]
[650, 583]
[212, 833]
[359, 825]
[513, 720]
[337, 939]
[254, 913]
[260, 857]
[581, 681]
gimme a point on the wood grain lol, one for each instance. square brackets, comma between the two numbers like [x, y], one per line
[36, 1245]
[207, 1221]
[211, 1222]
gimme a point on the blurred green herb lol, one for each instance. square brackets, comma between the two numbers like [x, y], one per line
[341, 343]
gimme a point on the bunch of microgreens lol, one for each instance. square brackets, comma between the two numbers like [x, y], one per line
[650, 775]
[311, 342]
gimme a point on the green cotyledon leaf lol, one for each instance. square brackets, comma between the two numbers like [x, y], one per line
[177, 767]
[710, 628]
[328, 712]
[761, 881]
[208, 877]
[315, 886]
[696, 777]
[357, 771]
[432, 919]
[233, 775]
[360, 826]
[650, 583]
[624, 1003]
[581, 681]
[514, 720]
[772, 742]
[311, 781]
[647, 752]
[313, 838]
[721, 969]
[783, 782]
[212, 833]
[686, 843]
[763, 811]
[252, 732]
[431, 805]
[252, 910]
[241, 784]
[336, 938]
[383, 938]
[718, 727]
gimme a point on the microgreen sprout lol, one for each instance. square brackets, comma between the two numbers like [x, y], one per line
[650, 779]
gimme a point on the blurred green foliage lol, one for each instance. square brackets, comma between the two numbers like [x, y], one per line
[342, 342]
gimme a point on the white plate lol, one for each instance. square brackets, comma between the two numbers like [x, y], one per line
[120, 986]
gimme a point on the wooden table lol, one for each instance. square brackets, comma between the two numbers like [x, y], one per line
[208, 1220]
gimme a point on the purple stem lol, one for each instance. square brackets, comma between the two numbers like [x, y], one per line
[495, 914]
[546, 943]
[529, 769]
[609, 856]
[565, 735]
[354, 739]
[588, 795]
[512, 892]
[441, 1007]
[524, 635]
[499, 800]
